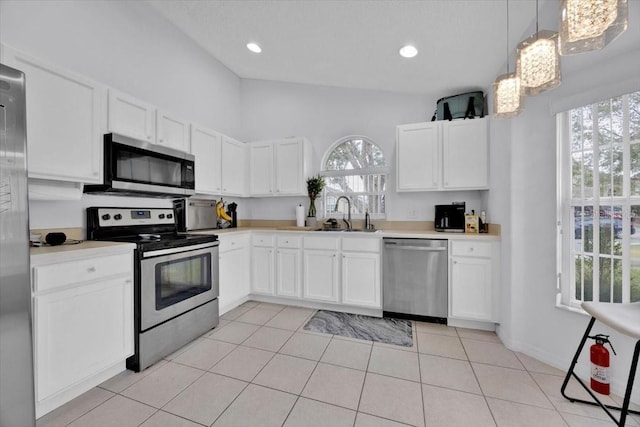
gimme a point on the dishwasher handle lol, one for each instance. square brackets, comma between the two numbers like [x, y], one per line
[415, 248]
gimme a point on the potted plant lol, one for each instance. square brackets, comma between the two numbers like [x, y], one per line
[315, 185]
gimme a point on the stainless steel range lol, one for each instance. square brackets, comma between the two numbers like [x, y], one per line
[176, 278]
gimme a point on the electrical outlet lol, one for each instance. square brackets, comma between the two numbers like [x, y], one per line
[412, 212]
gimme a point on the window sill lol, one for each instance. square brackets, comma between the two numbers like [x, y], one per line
[577, 310]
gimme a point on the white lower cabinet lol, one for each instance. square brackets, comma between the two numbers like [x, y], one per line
[361, 279]
[234, 266]
[262, 263]
[289, 266]
[82, 322]
[473, 290]
[321, 275]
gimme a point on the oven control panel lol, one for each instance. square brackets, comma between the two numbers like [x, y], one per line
[123, 217]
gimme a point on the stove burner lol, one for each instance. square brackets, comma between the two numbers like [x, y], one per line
[145, 236]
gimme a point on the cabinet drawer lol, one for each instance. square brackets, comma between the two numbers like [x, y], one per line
[52, 276]
[289, 242]
[326, 243]
[230, 242]
[470, 248]
[265, 240]
[362, 244]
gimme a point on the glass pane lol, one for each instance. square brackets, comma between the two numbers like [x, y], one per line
[604, 123]
[634, 117]
[587, 127]
[576, 175]
[616, 128]
[634, 252]
[181, 279]
[605, 279]
[583, 229]
[588, 278]
[578, 277]
[635, 169]
[605, 168]
[355, 154]
[617, 280]
[617, 171]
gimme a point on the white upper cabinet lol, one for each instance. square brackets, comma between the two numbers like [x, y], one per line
[261, 169]
[137, 119]
[171, 131]
[418, 165]
[443, 155]
[131, 117]
[465, 154]
[234, 161]
[279, 168]
[206, 146]
[64, 121]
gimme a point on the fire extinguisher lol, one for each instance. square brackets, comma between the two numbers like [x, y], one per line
[600, 364]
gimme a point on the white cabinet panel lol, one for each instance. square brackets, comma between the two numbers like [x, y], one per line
[290, 178]
[171, 131]
[472, 292]
[82, 310]
[465, 154]
[442, 155]
[417, 151]
[262, 270]
[261, 169]
[206, 147]
[288, 272]
[234, 277]
[279, 167]
[320, 275]
[233, 167]
[64, 121]
[80, 332]
[131, 117]
[361, 279]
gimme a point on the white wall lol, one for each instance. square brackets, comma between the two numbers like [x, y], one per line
[535, 325]
[324, 115]
[127, 46]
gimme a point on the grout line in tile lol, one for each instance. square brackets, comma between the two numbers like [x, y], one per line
[366, 371]
[424, 410]
[184, 418]
[230, 403]
[89, 410]
[384, 418]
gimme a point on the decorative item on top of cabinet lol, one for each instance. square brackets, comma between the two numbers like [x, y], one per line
[64, 144]
[442, 156]
[279, 167]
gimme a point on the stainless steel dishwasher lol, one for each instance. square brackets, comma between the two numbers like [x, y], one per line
[415, 279]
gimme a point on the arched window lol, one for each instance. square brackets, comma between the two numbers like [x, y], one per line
[355, 167]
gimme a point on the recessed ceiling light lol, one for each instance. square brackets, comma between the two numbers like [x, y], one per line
[253, 47]
[408, 51]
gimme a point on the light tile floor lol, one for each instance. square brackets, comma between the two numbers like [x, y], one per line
[260, 368]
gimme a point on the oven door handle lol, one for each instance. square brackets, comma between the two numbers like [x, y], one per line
[170, 251]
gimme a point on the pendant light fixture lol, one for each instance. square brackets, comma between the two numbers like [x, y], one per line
[538, 61]
[507, 92]
[587, 25]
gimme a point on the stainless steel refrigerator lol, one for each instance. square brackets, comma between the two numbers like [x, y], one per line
[17, 407]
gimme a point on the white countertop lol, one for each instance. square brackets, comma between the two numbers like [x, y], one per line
[416, 234]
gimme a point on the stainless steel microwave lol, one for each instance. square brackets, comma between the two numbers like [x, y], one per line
[139, 167]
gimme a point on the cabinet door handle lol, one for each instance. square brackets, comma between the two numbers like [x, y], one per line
[471, 249]
[91, 270]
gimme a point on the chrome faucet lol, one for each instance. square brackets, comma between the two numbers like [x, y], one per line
[348, 220]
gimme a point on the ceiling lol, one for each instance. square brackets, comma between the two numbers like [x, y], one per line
[355, 43]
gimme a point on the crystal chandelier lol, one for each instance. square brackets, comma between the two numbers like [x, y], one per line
[507, 91]
[587, 25]
[538, 61]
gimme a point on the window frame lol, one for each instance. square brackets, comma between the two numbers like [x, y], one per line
[567, 202]
[382, 170]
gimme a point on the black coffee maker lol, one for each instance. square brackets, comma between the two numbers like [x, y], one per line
[234, 215]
